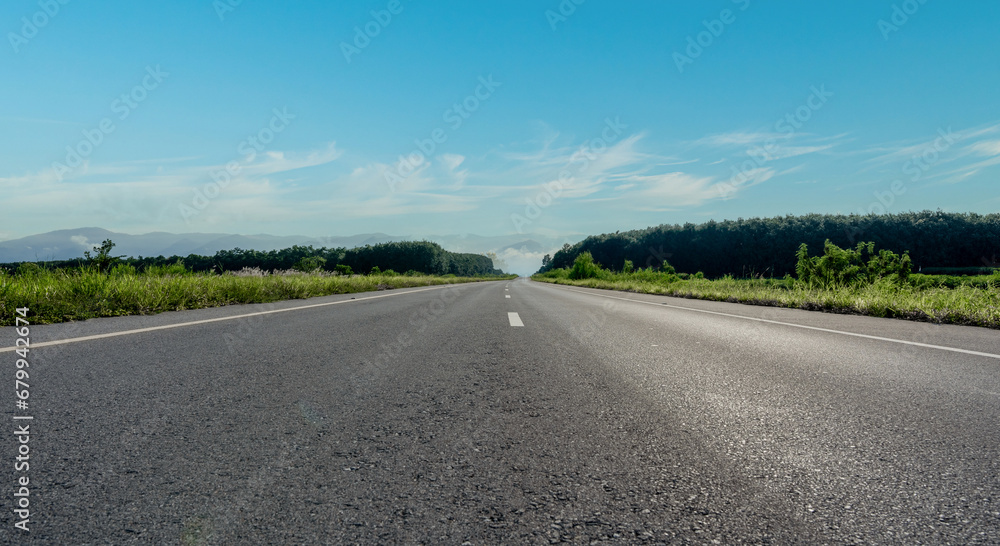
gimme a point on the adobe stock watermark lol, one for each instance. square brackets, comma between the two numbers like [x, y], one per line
[249, 148]
[915, 168]
[592, 322]
[419, 321]
[124, 105]
[900, 16]
[714, 28]
[562, 13]
[31, 26]
[551, 191]
[787, 126]
[656, 257]
[454, 117]
[364, 35]
[224, 7]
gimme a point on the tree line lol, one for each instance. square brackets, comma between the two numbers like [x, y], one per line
[934, 240]
[419, 256]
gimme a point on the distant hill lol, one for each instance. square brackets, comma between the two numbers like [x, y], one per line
[68, 244]
[520, 253]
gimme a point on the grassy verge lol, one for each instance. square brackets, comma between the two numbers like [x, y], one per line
[976, 303]
[64, 295]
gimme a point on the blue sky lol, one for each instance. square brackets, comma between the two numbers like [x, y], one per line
[550, 117]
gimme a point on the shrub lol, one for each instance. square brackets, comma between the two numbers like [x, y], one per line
[123, 270]
[29, 270]
[167, 270]
[375, 270]
[585, 268]
[560, 273]
[628, 267]
[839, 267]
[343, 269]
[309, 264]
[653, 276]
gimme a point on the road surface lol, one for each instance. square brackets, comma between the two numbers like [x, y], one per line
[461, 415]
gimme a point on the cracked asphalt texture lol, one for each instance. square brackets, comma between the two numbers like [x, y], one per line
[424, 417]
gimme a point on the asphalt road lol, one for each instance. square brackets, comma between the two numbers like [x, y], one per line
[429, 416]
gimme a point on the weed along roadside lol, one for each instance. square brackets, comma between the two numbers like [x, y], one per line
[854, 281]
[104, 285]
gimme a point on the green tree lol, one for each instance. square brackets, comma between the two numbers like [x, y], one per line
[103, 260]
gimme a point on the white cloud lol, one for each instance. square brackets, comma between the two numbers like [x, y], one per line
[82, 241]
[987, 147]
[738, 139]
[452, 161]
[785, 152]
[677, 189]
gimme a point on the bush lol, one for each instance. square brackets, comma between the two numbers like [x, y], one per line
[585, 268]
[123, 270]
[167, 270]
[343, 269]
[309, 264]
[29, 270]
[375, 270]
[839, 267]
[653, 276]
[628, 267]
[560, 273]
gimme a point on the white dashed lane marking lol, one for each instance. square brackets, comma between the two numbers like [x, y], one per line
[514, 319]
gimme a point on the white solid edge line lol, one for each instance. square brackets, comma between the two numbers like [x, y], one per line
[514, 319]
[816, 328]
[218, 319]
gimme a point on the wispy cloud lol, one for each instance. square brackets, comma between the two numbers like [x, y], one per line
[988, 148]
[738, 138]
[945, 157]
[671, 190]
[631, 173]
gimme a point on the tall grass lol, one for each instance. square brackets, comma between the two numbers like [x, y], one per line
[77, 294]
[975, 301]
